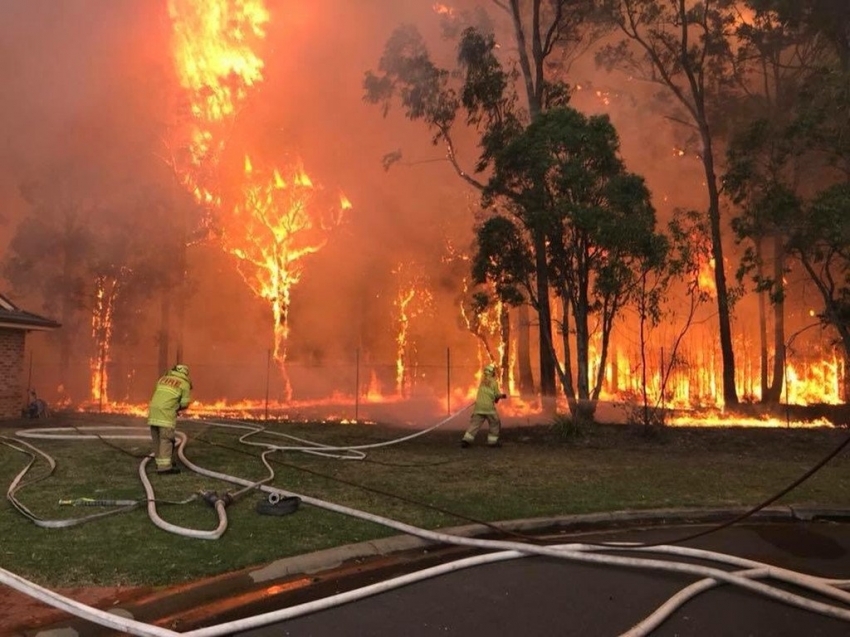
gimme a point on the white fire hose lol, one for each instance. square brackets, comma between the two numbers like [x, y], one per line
[745, 577]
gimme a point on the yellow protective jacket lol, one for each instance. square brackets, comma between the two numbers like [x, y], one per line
[173, 391]
[485, 400]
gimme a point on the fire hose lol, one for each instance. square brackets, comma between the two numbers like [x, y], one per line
[33, 453]
[219, 503]
[749, 570]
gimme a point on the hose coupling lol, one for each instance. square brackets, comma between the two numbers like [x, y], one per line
[212, 498]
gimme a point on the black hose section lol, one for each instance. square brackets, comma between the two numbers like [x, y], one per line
[432, 507]
[111, 444]
[407, 466]
[743, 516]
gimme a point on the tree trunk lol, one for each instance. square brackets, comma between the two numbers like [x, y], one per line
[778, 382]
[547, 363]
[730, 393]
[763, 380]
[607, 325]
[566, 374]
[845, 386]
[523, 352]
[505, 335]
[567, 380]
[533, 81]
[585, 407]
[614, 386]
[582, 352]
[845, 341]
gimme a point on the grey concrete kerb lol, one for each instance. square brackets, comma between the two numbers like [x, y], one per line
[318, 561]
[181, 603]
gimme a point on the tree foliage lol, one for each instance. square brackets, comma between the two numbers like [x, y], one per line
[820, 240]
[685, 47]
[789, 165]
[568, 182]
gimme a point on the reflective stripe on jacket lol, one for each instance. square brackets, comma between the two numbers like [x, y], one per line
[173, 392]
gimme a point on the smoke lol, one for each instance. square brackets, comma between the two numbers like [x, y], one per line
[88, 87]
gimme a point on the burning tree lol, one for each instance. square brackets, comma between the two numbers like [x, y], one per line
[788, 163]
[488, 320]
[684, 47]
[481, 314]
[93, 250]
[567, 180]
[272, 218]
[545, 35]
[213, 50]
[107, 290]
[412, 299]
[276, 222]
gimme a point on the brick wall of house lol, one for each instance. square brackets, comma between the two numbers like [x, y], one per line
[11, 372]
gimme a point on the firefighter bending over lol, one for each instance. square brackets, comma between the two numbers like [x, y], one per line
[485, 410]
[171, 396]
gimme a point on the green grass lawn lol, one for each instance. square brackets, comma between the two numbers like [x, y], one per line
[537, 473]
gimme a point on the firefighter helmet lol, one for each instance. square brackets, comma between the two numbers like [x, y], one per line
[490, 370]
[181, 369]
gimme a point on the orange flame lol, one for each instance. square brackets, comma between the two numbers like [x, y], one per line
[106, 294]
[270, 225]
[272, 228]
[213, 54]
[706, 278]
[412, 299]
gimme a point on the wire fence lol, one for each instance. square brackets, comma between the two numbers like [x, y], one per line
[348, 387]
[434, 381]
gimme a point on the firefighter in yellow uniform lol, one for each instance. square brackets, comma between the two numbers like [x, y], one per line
[485, 410]
[172, 395]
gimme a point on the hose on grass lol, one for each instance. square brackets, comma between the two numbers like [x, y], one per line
[745, 577]
[17, 483]
[108, 433]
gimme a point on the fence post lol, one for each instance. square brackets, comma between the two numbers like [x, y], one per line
[268, 373]
[661, 386]
[448, 381]
[102, 367]
[357, 385]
